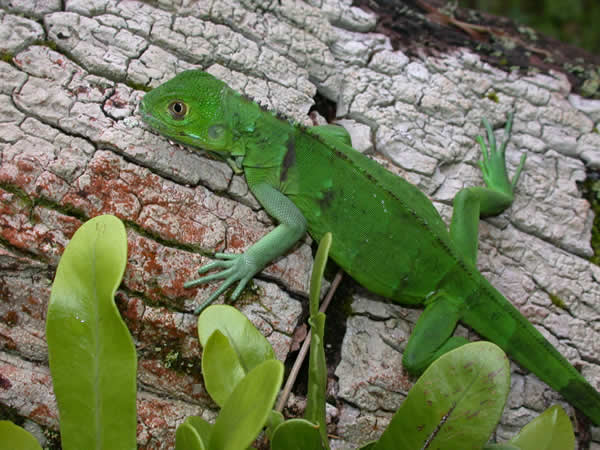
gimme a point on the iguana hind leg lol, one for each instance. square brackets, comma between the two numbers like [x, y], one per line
[432, 335]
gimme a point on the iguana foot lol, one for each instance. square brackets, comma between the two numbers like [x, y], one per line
[234, 268]
[493, 165]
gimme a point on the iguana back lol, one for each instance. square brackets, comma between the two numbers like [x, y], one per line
[386, 233]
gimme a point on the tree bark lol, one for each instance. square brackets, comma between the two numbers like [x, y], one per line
[72, 147]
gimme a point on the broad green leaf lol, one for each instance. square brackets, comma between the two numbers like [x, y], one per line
[275, 419]
[250, 345]
[13, 437]
[456, 403]
[501, 446]
[296, 434]
[247, 408]
[92, 356]
[187, 438]
[369, 446]
[221, 368]
[202, 427]
[550, 430]
[317, 372]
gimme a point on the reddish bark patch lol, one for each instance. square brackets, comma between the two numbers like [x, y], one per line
[5, 383]
[11, 318]
[42, 414]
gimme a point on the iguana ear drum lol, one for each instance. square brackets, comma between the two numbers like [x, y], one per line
[216, 131]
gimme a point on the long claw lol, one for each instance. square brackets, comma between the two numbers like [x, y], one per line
[507, 132]
[518, 172]
[213, 296]
[490, 134]
[207, 278]
[484, 150]
[483, 164]
[240, 287]
[228, 256]
[214, 265]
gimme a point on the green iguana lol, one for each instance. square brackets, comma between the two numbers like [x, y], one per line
[386, 233]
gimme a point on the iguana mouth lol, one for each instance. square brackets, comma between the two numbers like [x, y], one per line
[155, 123]
[148, 117]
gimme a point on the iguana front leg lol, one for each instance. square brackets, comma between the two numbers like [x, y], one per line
[432, 335]
[241, 268]
[472, 203]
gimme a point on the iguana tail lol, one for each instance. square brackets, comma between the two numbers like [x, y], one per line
[491, 315]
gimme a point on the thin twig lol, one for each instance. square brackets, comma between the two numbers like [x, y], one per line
[305, 346]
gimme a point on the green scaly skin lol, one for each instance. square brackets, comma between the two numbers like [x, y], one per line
[386, 233]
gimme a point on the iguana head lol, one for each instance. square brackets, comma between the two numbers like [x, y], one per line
[189, 109]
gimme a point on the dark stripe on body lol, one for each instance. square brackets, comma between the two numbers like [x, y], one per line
[289, 159]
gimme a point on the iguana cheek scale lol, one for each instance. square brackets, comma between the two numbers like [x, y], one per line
[386, 233]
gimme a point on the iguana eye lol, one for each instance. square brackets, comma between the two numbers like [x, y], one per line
[177, 109]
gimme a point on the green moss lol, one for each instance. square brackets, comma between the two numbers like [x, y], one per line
[138, 86]
[67, 210]
[18, 192]
[493, 96]
[30, 203]
[591, 191]
[590, 86]
[6, 57]
[166, 242]
[169, 352]
[557, 301]
[171, 359]
[46, 43]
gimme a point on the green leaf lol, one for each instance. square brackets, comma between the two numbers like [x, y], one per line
[500, 446]
[247, 408]
[92, 356]
[317, 371]
[13, 437]
[275, 419]
[296, 434]
[316, 277]
[251, 347]
[456, 403]
[551, 429]
[187, 438]
[369, 446]
[221, 368]
[202, 427]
